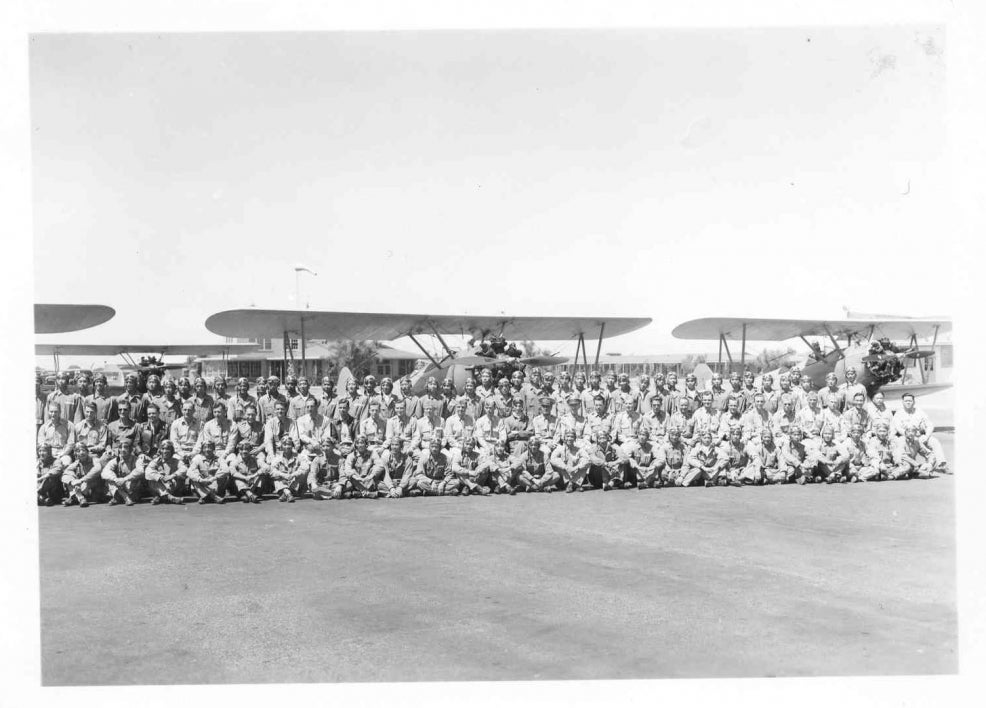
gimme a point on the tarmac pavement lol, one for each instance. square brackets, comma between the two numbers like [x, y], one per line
[724, 582]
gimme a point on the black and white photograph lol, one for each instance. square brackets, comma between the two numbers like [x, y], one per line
[528, 354]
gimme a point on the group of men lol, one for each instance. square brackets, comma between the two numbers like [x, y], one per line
[539, 434]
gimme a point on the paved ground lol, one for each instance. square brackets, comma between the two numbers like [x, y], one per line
[791, 581]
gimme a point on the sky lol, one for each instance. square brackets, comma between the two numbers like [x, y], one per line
[670, 174]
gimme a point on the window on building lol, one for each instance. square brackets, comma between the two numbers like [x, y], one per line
[263, 344]
[383, 369]
[405, 367]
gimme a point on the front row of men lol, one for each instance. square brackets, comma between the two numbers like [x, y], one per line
[336, 459]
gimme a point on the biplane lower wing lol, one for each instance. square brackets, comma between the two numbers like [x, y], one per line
[162, 349]
[55, 319]
[759, 329]
[386, 327]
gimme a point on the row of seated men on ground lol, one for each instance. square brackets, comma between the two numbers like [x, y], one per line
[404, 455]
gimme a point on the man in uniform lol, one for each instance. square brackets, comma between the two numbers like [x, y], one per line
[357, 478]
[735, 457]
[474, 404]
[704, 462]
[219, 395]
[69, 404]
[486, 387]
[270, 398]
[570, 461]
[706, 418]
[49, 476]
[594, 389]
[627, 422]
[503, 468]
[811, 418]
[81, 478]
[92, 431]
[185, 432]
[797, 460]
[607, 465]
[756, 419]
[374, 426]
[278, 428]
[655, 423]
[831, 397]
[858, 467]
[916, 459]
[458, 426]
[856, 414]
[879, 411]
[394, 468]
[314, 433]
[401, 426]
[208, 475]
[298, 404]
[431, 403]
[832, 457]
[261, 389]
[184, 389]
[783, 420]
[104, 404]
[730, 419]
[412, 403]
[345, 427]
[242, 399]
[218, 430]
[517, 426]
[245, 473]
[749, 391]
[489, 428]
[672, 464]
[546, 426]
[449, 397]
[203, 401]
[884, 455]
[387, 397]
[123, 475]
[771, 396]
[469, 466]
[327, 397]
[719, 393]
[503, 398]
[534, 463]
[57, 434]
[642, 458]
[764, 460]
[691, 396]
[433, 474]
[684, 421]
[169, 405]
[850, 388]
[166, 476]
[287, 470]
[250, 431]
[914, 417]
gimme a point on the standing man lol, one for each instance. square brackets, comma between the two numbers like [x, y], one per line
[298, 404]
[69, 404]
[57, 434]
[850, 388]
[104, 404]
[242, 399]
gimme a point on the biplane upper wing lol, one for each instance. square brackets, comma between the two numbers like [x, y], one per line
[163, 349]
[386, 326]
[779, 329]
[54, 319]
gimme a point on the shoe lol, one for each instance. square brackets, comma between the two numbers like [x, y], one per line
[129, 502]
[548, 490]
[569, 488]
[452, 492]
[417, 492]
[245, 498]
[366, 495]
[180, 501]
[155, 501]
[528, 490]
[497, 490]
[511, 490]
[66, 502]
[50, 502]
[83, 503]
[113, 502]
[606, 487]
[203, 500]
[220, 500]
[254, 499]
[709, 483]
[628, 485]
[466, 492]
[484, 491]
[580, 488]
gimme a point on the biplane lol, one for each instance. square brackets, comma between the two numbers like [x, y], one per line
[57, 319]
[152, 361]
[487, 336]
[880, 349]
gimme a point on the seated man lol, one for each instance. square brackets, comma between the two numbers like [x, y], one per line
[607, 465]
[245, 473]
[208, 475]
[642, 459]
[467, 464]
[166, 476]
[503, 468]
[123, 475]
[80, 479]
[672, 460]
[433, 475]
[884, 455]
[287, 472]
[736, 459]
[797, 460]
[49, 476]
[704, 463]
[918, 419]
[571, 462]
[832, 457]
[536, 474]
[357, 479]
[858, 467]
[764, 467]
[394, 469]
[916, 458]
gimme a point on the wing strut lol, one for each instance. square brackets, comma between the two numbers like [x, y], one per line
[743, 349]
[451, 354]
[424, 351]
[723, 342]
[599, 347]
[835, 343]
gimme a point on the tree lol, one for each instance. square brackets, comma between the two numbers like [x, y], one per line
[770, 359]
[689, 363]
[532, 349]
[359, 357]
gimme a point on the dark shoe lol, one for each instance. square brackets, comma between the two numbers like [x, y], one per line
[569, 488]
[155, 501]
[112, 502]
[203, 500]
